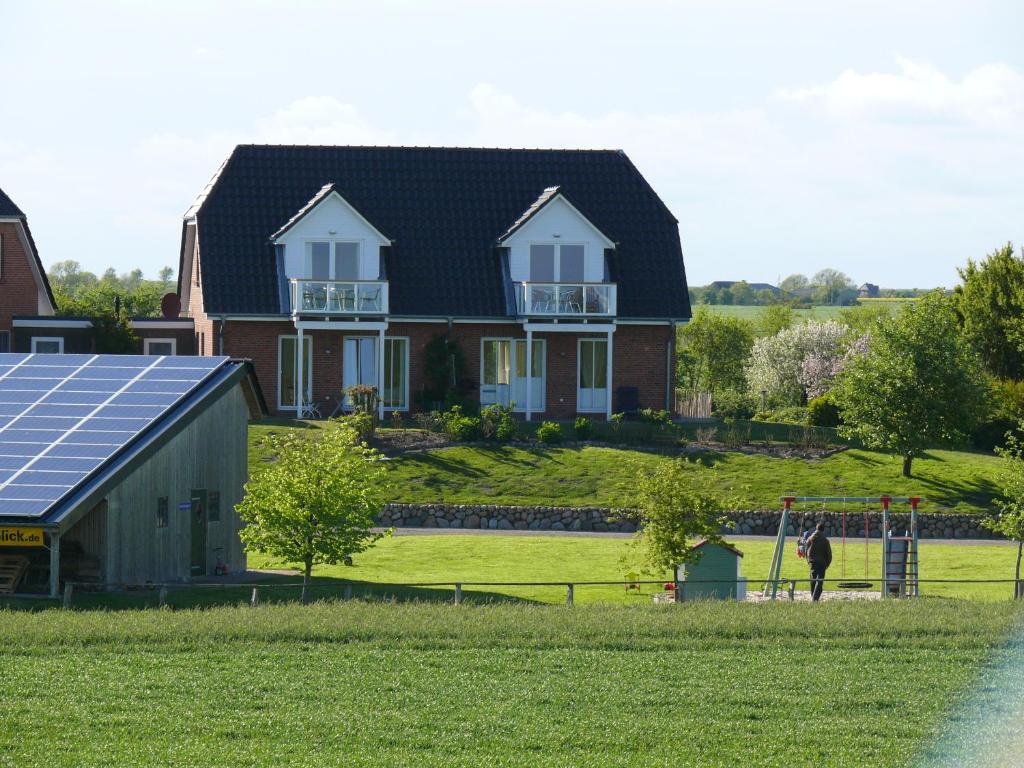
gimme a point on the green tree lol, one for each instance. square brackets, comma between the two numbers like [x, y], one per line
[831, 284]
[863, 318]
[679, 504]
[794, 283]
[919, 385]
[774, 318]
[317, 503]
[742, 293]
[1010, 520]
[990, 306]
[713, 351]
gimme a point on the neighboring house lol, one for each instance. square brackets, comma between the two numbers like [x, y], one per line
[24, 289]
[869, 291]
[755, 287]
[333, 266]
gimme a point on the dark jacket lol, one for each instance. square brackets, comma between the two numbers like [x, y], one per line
[819, 551]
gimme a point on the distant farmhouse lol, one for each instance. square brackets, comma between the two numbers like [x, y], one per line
[756, 287]
[869, 291]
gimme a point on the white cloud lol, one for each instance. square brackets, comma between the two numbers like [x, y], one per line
[991, 95]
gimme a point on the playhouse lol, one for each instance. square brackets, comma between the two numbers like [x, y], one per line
[717, 575]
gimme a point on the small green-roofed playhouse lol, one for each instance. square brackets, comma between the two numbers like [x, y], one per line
[716, 575]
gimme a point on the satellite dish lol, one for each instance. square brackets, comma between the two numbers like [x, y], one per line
[170, 306]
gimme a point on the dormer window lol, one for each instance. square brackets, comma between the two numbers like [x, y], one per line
[332, 260]
[556, 263]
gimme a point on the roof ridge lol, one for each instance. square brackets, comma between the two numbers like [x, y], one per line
[438, 147]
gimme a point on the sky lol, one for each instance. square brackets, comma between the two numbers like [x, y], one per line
[884, 139]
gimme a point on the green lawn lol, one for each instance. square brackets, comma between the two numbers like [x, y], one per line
[597, 476]
[604, 476]
[751, 312]
[364, 684]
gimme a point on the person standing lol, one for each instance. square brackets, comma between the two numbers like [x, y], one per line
[819, 557]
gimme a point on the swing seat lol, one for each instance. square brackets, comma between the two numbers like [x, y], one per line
[855, 585]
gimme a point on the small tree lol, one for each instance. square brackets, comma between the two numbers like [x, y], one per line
[776, 362]
[1010, 520]
[678, 505]
[712, 352]
[317, 503]
[919, 385]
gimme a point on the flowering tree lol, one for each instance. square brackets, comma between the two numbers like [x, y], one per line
[777, 363]
[820, 367]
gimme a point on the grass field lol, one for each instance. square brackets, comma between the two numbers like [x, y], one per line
[360, 684]
[751, 312]
[597, 476]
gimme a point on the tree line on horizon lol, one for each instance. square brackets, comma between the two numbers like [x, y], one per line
[827, 287]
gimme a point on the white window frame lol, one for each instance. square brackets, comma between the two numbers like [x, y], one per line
[519, 407]
[307, 374]
[558, 260]
[579, 365]
[172, 342]
[380, 384]
[58, 339]
[332, 261]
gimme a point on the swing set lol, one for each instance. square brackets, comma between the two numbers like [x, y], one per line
[899, 553]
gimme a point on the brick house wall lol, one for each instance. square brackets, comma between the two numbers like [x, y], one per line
[203, 337]
[19, 292]
[640, 358]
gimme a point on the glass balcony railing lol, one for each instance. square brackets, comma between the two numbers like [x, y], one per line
[566, 299]
[339, 297]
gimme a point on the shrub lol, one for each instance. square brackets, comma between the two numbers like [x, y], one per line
[584, 428]
[549, 432]
[706, 434]
[823, 412]
[736, 436]
[793, 414]
[652, 416]
[497, 423]
[363, 423]
[616, 420]
[459, 427]
[430, 421]
[364, 402]
[732, 404]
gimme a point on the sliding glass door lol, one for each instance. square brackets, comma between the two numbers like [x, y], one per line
[503, 379]
[359, 366]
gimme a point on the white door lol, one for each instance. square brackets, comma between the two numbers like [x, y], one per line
[536, 379]
[496, 378]
[359, 363]
[592, 389]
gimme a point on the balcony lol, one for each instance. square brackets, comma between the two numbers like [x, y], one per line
[330, 297]
[566, 299]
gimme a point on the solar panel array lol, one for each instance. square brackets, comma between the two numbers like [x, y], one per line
[63, 416]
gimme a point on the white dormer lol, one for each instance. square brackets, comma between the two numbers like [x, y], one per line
[331, 258]
[328, 239]
[552, 242]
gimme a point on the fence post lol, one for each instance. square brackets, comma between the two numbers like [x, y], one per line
[162, 597]
[68, 588]
[792, 590]
[347, 594]
[678, 593]
[568, 594]
[458, 593]
[254, 600]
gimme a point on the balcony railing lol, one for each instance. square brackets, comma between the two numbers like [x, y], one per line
[566, 299]
[339, 297]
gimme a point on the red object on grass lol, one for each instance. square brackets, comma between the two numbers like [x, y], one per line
[670, 586]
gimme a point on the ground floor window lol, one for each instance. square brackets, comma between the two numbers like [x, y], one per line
[503, 379]
[164, 347]
[359, 366]
[47, 345]
[288, 366]
[592, 391]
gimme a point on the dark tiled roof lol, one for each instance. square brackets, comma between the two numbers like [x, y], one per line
[444, 208]
[8, 208]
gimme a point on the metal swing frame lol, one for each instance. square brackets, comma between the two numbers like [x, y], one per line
[907, 586]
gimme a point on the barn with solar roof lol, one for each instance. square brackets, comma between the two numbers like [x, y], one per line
[121, 469]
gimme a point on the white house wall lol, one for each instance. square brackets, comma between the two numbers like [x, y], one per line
[557, 222]
[332, 219]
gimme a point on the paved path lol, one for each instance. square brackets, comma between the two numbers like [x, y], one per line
[607, 535]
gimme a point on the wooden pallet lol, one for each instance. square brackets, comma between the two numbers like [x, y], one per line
[12, 569]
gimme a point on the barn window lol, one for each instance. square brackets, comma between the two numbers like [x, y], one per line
[161, 512]
[213, 507]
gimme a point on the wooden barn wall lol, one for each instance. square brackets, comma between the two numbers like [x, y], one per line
[210, 453]
[91, 533]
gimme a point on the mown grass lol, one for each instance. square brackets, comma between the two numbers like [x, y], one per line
[753, 312]
[361, 684]
[592, 476]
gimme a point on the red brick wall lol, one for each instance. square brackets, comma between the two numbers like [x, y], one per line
[19, 292]
[640, 358]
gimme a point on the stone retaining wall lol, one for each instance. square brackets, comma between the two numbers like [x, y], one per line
[507, 518]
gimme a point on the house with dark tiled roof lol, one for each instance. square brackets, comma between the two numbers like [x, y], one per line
[24, 289]
[551, 280]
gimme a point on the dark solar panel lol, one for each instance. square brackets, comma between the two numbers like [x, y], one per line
[63, 416]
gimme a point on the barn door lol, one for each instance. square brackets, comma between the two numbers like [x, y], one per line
[197, 515]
